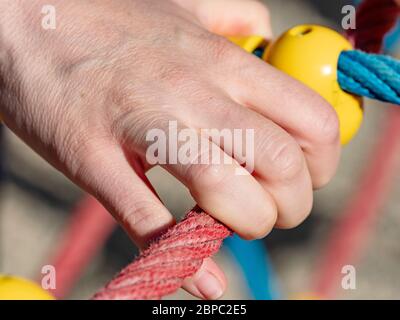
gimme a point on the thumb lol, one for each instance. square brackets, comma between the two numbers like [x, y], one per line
[231, 17]
[108, 175]
[121, 186]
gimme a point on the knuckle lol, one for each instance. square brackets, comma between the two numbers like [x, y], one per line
[204, 172]
[174, 75]
[327, 125]
[142, 215]
[206, 176]
[220, 48]
[287, 159]
[145, 120]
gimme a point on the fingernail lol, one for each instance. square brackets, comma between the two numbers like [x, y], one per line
[209, 286]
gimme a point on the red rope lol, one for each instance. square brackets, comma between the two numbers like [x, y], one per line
[348, 237]
[177, 254]
[375, 18]
[87, 231]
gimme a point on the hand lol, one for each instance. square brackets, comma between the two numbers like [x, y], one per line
[85, 95]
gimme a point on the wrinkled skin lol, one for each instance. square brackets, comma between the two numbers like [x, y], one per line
[84, 95]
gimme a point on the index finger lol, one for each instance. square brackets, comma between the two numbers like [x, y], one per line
[303, 113]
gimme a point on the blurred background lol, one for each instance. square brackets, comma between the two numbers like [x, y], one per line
[36, 202]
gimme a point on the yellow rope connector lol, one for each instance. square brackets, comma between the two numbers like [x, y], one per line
[310, 54]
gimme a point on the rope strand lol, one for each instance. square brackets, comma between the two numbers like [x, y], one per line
[370, 75]
[177, 254]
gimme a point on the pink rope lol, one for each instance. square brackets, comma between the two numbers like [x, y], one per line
[177, 254]
[348, 238]
[375, 18]
[87, 231]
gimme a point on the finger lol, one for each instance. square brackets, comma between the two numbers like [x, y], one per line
[106, 173]
[279, 162]
[207, 283]
[226, 190]
[297, 109]
[110, 177]
[215, 180]
[232, 17]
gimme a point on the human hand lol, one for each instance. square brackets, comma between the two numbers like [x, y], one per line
[85, 95]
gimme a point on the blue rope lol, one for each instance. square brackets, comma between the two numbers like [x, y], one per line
[256, 267]
[370, 75]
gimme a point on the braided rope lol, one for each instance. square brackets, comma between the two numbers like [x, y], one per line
[370, 75]
[346, 241]
[179, 253]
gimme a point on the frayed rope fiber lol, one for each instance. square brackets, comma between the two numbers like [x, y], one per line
[370, 75]
[177, 254]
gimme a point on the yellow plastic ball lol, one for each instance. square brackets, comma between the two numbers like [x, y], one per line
[310, 54]
[249, 43]
[15, 288]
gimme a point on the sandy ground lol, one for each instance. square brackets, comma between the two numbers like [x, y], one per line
[35, 201]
